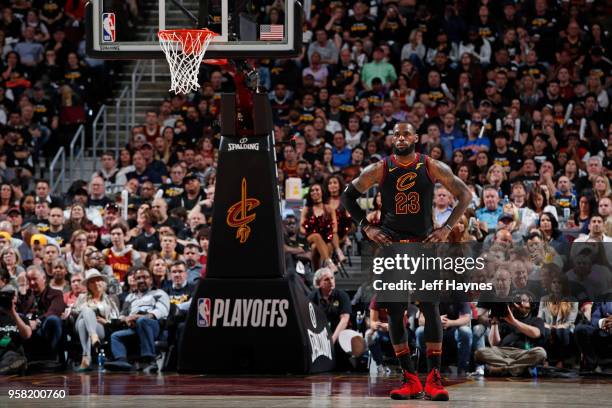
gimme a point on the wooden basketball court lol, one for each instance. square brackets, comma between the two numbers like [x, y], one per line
[174, 390]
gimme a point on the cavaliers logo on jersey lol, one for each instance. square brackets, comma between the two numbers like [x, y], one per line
[406, 181]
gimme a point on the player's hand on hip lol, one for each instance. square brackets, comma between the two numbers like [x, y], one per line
[438, 235]
[377, 235]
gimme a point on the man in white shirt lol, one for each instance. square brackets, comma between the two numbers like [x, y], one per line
[141, 313]
[442, 205]
[597, 228]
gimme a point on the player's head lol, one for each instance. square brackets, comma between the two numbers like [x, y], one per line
[404, 138]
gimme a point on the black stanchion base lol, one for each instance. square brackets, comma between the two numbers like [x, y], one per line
[255, 326]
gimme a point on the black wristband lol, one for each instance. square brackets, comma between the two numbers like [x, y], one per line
[349, 201]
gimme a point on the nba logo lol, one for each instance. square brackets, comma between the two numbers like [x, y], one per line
[108, 27]
[204, 312]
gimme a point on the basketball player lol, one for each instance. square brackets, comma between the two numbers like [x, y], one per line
[406, 180]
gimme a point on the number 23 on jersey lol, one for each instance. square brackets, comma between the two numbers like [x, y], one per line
[407, 203]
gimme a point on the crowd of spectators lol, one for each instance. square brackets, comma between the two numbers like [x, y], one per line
[514, 96]
[48, 85]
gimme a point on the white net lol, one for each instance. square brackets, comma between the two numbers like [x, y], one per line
[184, 51]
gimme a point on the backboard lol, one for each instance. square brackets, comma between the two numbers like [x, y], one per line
[247, 28]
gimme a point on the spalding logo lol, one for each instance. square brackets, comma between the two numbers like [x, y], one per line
[242, 145]
[242, 312]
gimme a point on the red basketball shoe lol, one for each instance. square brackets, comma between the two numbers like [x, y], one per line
[410, 389]
[434, 390]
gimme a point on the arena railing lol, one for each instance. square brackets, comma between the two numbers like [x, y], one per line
[99, 132]
[123, 118]
[125, 111]
[76, 157]
[139, 72]
[60, 179]
[77, 151]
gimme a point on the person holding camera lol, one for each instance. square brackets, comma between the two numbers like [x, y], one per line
[14, 330]
[44, 307]
[94, 309]
[513, 333]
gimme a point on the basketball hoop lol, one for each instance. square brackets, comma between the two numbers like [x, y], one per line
[185, 51]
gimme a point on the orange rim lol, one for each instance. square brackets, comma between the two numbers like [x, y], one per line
[215, 61]
[191, 39]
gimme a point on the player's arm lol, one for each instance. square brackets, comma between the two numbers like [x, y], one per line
[366, 180]
[443, 174]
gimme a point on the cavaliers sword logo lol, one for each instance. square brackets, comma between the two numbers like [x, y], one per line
[406, 181]
[238, 217]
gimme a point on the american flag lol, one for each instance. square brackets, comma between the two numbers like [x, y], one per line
[272, 32]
